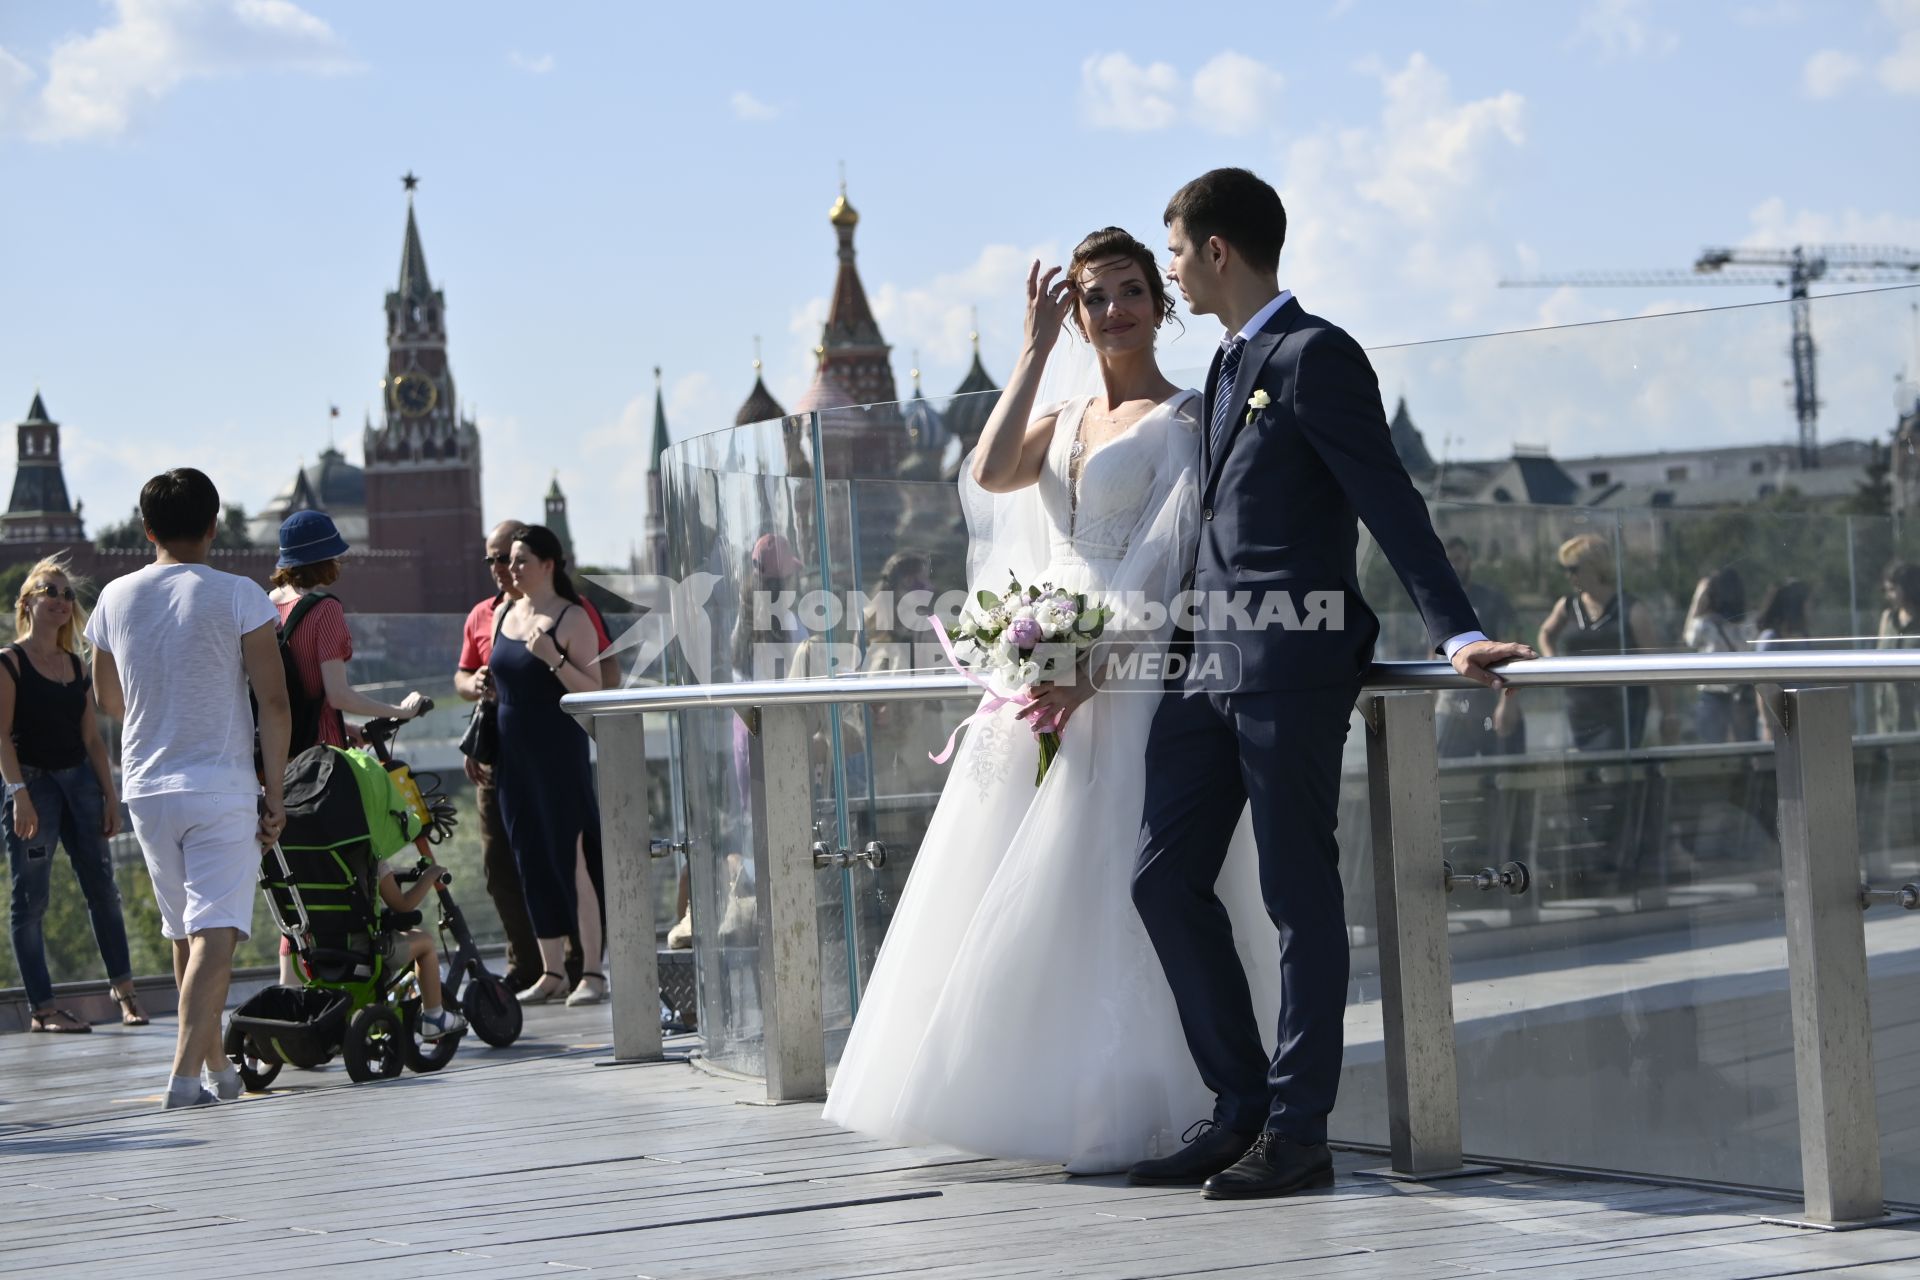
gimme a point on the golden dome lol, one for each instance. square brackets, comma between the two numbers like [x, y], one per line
[842, 213]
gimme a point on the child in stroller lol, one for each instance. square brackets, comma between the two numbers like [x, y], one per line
[407, 943]
[354, 931]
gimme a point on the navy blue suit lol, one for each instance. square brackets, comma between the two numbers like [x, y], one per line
[1263, 724]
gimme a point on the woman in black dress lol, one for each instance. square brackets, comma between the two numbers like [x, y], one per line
[547, 647]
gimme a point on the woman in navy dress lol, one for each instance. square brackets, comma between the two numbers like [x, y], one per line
[547, 647]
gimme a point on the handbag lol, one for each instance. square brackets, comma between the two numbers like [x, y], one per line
[481, 741]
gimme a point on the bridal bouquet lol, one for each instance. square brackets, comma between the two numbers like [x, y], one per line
[1012, 640]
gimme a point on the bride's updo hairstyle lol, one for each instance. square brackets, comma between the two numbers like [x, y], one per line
[1113, 242]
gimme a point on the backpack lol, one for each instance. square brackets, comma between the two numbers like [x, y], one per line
[305, 704]
[336, 798]
[345, 815]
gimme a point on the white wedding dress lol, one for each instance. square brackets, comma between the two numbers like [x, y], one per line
[1017, 1008]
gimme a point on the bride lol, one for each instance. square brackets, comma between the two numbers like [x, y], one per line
[1017, 1008]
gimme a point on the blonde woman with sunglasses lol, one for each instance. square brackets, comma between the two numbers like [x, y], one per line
[59, 790]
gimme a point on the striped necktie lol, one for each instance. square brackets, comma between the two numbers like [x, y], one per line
[1224, 402]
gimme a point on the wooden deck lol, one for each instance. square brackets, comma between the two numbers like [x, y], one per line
[538, 1162]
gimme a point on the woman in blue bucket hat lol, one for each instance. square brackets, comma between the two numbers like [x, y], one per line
[316, 632]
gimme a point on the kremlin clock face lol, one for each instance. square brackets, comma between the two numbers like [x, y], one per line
[414, 395]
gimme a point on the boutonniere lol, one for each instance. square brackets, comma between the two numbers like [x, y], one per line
[1255, 403]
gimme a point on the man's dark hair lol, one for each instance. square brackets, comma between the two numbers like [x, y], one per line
[179, 505]
[1239, 208]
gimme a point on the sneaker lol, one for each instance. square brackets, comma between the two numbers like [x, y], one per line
[227, 1084]
[175, 1102]
[445, 1023]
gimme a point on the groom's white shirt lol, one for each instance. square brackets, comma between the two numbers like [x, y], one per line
[1263, 315]
[1255, 325]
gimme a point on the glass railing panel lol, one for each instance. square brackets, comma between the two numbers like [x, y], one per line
[1888, 767]
[1630, 1012]
[743, 514]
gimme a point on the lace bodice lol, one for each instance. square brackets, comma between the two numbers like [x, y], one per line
[1091, 516]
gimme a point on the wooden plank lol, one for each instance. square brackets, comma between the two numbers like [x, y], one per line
[542, 1163]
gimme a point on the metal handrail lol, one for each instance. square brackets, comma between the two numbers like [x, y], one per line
[1838, 667]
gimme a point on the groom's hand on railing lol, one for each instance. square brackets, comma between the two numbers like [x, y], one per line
[1476, 661]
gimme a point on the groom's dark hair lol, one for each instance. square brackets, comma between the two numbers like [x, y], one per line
[1239, 208]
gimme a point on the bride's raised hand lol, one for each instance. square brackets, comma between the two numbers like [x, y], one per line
[1048, 302]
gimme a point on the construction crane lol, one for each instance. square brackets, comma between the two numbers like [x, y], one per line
[1792, 269]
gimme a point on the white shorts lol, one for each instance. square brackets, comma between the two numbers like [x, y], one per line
[203, 858]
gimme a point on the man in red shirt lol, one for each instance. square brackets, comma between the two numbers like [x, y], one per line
[471, 680]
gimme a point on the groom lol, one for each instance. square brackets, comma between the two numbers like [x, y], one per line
[1294, 449]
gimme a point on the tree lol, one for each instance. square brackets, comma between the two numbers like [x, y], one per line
[128, 535]
[230, 534]
[1874, 496]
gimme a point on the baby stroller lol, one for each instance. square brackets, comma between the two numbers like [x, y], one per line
[480, 994]
[346, 811]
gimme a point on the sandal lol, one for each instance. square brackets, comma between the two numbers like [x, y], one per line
[57, 1021]
[131, 1015]
[584, 994]
[541, 993]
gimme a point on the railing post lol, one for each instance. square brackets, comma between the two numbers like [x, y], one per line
[633, 960]
[1416, 973]
[1826, 957]
[788, 917]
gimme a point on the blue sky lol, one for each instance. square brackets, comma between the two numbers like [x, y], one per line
[202, 209]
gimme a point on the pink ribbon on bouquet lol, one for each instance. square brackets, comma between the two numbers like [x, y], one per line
[992, 704]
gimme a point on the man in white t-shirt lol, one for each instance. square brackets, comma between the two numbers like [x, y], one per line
[175, 647]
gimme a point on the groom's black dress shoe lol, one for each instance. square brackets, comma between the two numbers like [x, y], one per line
[1273, 1166]
[1206, 1154]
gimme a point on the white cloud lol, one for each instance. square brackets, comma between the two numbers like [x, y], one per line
[935, 318]
[1428, 148]
[1831, 70]
[747, 107]
[1234, 93]
[95, 83]
[16, 77]
[1230, 94]
[1828, 72]
[1900, 70]
[538, 66]
[1775, 227]
[1768, 14]
[1118, 93]
[1621, 28]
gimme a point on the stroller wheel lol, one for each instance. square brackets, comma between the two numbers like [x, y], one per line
[255, 1073]
[492, 1011]
[375, 1047]
[427, 1055]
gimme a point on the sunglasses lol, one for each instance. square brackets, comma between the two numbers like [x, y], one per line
[52, 592]
[496, 559]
